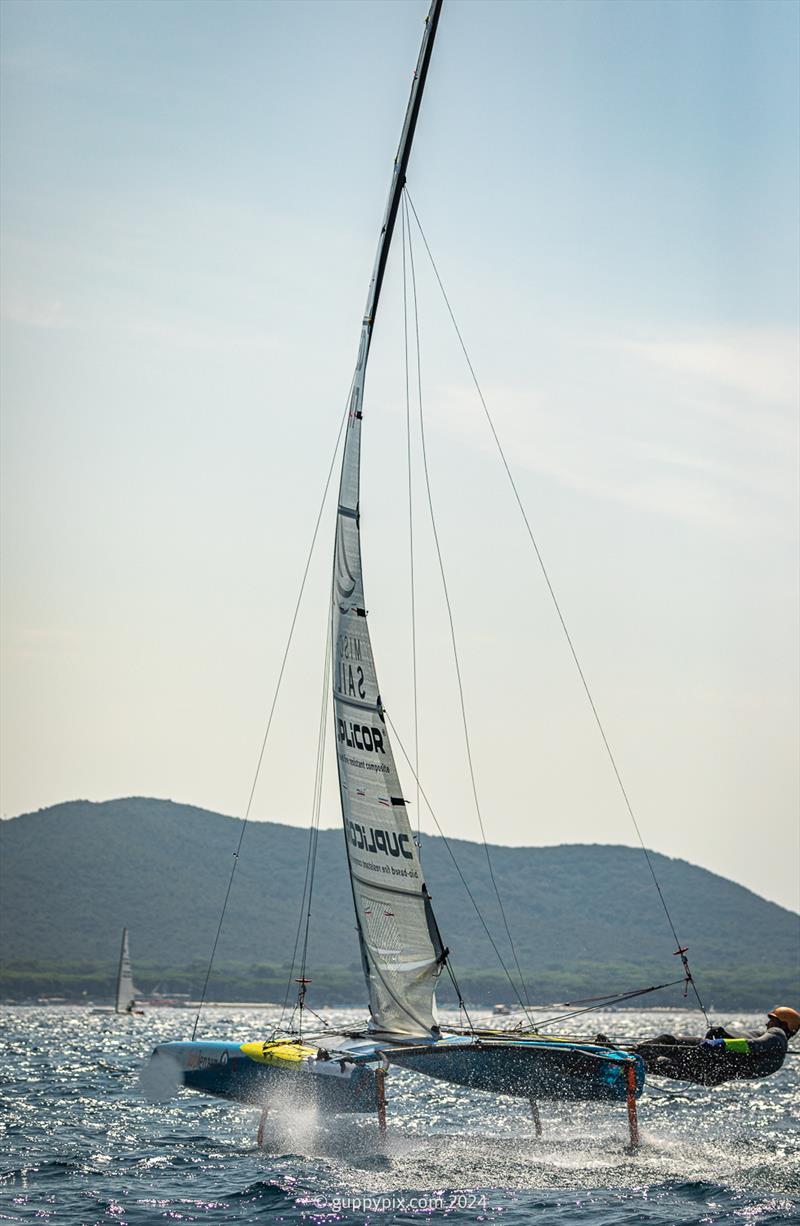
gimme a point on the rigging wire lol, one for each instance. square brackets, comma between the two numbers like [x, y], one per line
[311, 853]
[680, 950]
[459, 996]
[403, 226]
[318, 780]
[523, 1006]
[605, 1001]
[412, 572]
[462, 702]
[271, 712]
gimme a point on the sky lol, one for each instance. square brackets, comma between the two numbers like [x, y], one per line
[191, 195]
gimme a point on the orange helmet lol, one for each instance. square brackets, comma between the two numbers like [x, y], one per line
[789, 1018]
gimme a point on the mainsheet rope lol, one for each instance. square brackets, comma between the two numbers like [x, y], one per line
[681, 950]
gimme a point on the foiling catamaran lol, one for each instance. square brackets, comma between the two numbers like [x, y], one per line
[402, 950]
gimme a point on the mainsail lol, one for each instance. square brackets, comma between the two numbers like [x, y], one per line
[401, 950]
[126, 992]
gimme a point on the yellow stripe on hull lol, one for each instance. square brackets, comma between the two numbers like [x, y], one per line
[280, 1054]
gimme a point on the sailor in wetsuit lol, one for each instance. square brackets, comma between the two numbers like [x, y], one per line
[722, 1056]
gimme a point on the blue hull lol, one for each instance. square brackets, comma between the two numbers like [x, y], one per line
[344, 1081]
[224, 1070]
[526, 1067]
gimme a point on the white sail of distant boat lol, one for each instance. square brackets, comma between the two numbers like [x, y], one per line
[126, 992]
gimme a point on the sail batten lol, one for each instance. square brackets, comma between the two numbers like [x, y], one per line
[401, 952]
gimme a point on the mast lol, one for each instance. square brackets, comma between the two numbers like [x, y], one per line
[401, 166]
[401, 950]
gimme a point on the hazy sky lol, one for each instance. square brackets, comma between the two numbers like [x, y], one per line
[191, 198]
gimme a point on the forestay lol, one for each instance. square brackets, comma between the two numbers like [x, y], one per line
[401, 950]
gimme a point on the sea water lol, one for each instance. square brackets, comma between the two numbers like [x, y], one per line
[81, 1144]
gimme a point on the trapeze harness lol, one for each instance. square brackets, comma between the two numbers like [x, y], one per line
[711, 1061]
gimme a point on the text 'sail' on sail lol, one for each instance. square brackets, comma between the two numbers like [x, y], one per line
[400, 946]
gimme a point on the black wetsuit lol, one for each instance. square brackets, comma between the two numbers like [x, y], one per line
[756, 1054]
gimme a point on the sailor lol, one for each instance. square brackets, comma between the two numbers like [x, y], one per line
[721, 1055]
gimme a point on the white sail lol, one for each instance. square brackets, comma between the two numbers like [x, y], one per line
[401, 949]
[126, 992]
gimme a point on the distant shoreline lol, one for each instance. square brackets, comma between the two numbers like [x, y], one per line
[446, 1011]
[337, 987]
[585, 919]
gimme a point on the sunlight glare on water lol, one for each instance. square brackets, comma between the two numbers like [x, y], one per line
[83, 1144]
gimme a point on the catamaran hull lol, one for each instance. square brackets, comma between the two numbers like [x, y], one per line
[558, 1071]
[225, 1070]
[500, 1063]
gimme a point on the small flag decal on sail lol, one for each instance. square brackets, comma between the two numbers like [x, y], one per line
[384, 800]
[360, 792]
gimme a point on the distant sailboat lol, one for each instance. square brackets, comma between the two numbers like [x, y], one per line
[126, 992]
[402, 951]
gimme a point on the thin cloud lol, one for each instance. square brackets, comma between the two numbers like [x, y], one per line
[649, 442]
[34, 313]
[763, 366]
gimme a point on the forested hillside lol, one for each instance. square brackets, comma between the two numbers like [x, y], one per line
[585, 918]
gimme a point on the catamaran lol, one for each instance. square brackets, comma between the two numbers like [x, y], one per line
[403, 953]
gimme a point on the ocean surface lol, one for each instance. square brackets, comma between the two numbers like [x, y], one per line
[79, 1142]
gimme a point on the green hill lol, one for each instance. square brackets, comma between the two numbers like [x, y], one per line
[586, 919]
